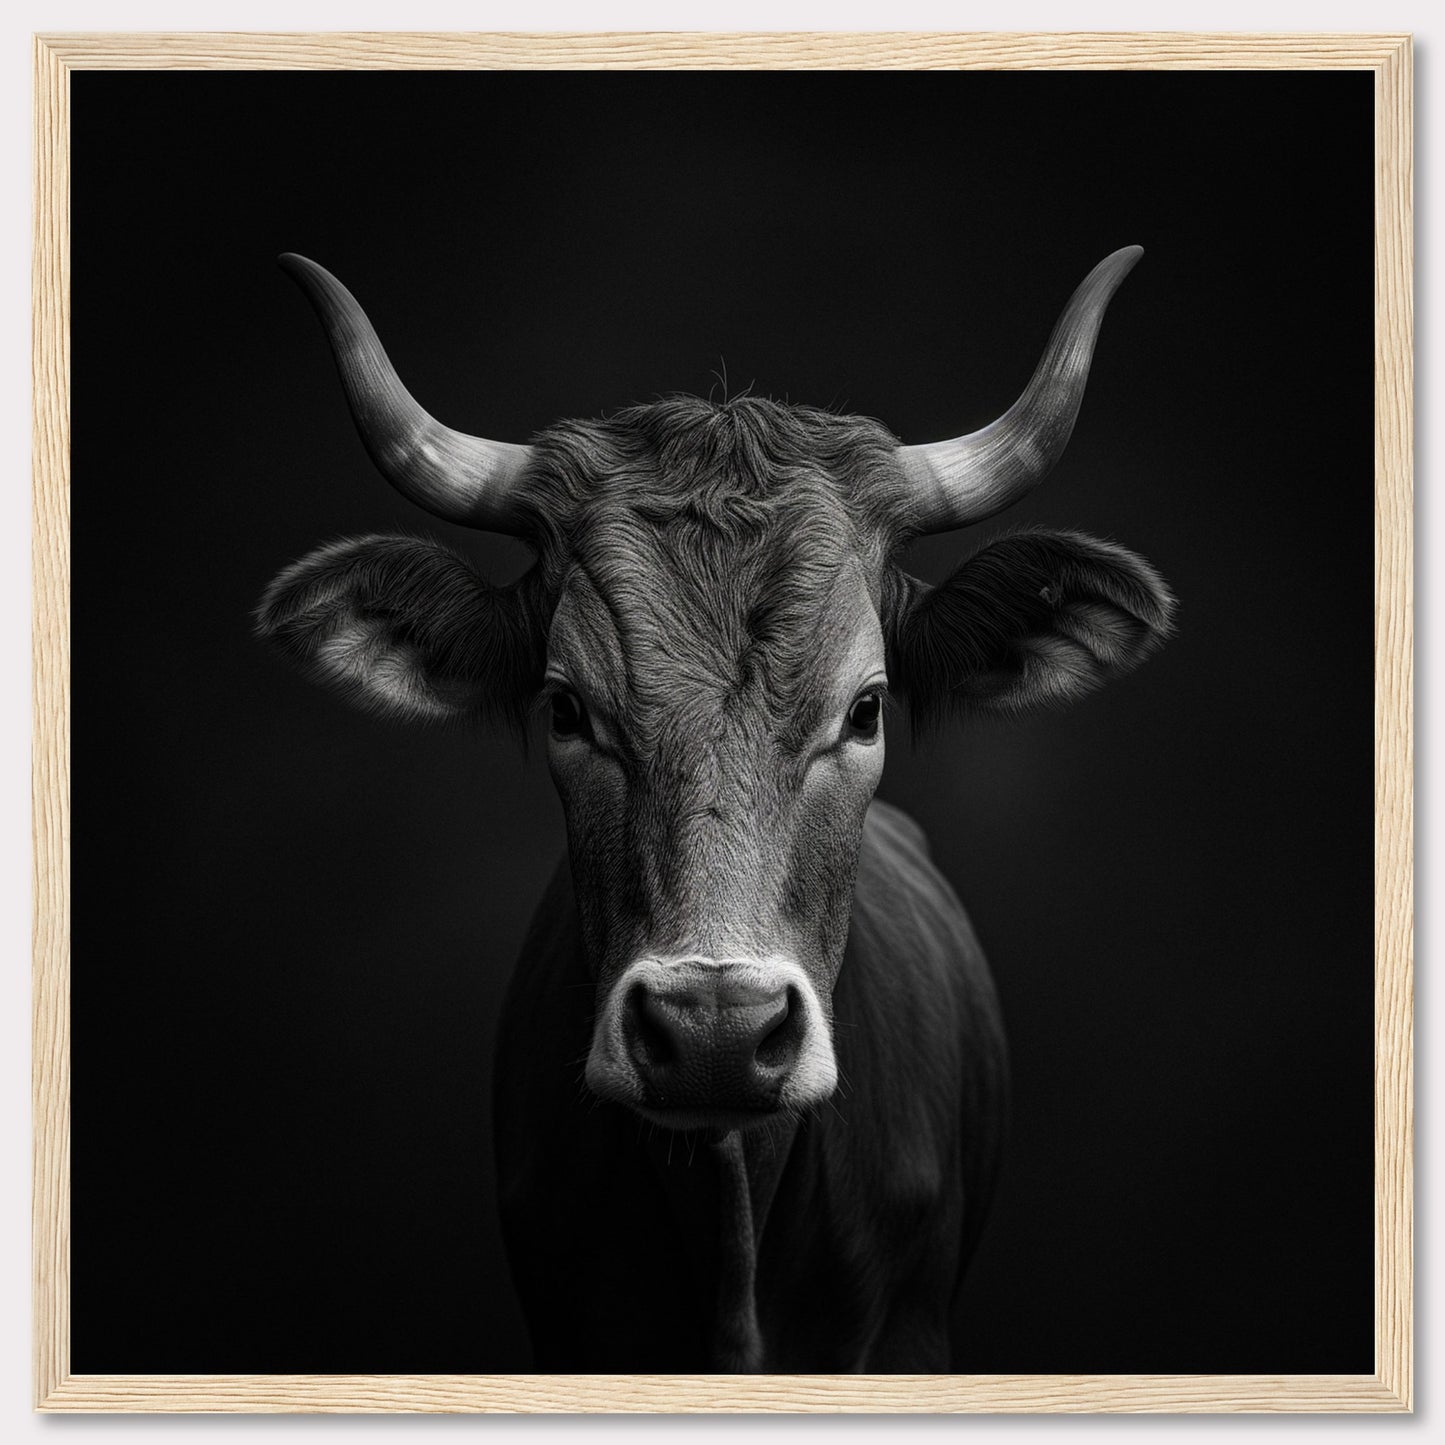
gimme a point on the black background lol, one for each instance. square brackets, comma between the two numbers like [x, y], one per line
[293, 923]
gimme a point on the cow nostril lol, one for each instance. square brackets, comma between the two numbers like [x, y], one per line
[652, 1043]
[779, 1047]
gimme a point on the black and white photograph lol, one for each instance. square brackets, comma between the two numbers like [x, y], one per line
[723, 722]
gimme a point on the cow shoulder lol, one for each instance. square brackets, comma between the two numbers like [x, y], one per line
[920, 1025]
[910, 931]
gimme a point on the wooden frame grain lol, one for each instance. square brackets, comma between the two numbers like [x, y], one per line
[1389, 1387]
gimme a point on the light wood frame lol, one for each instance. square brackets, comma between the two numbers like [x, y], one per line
[1389, 1387]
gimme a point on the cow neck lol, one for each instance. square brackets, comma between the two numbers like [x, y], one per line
[737, 1342]
[748, 1170]
[724, 1210]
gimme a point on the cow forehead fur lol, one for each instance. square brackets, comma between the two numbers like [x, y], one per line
[706, 549]
[729, 468]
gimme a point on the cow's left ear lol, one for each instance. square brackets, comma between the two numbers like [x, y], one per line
[1031, 619]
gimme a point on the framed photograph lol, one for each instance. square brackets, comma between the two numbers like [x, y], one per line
[503, 492]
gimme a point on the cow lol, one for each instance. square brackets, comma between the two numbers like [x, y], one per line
[751, 1076]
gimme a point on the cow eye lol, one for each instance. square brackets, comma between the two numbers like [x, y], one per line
[569, 717]
[864, 714]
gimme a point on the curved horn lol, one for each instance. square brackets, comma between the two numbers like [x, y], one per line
[971, 477]
[462, 478]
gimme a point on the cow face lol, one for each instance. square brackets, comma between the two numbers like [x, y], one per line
[714, 622]
[715, 679]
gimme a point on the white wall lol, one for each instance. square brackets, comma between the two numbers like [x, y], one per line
[21, 19]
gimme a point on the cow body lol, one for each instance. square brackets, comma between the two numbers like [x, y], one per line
[750, 1074]
[863, 1214]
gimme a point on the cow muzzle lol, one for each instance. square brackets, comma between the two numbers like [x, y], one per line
[695, 1043]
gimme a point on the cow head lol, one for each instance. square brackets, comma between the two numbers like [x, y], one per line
[714, 624]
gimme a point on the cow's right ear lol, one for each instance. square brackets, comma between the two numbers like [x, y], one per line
[405, 627]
